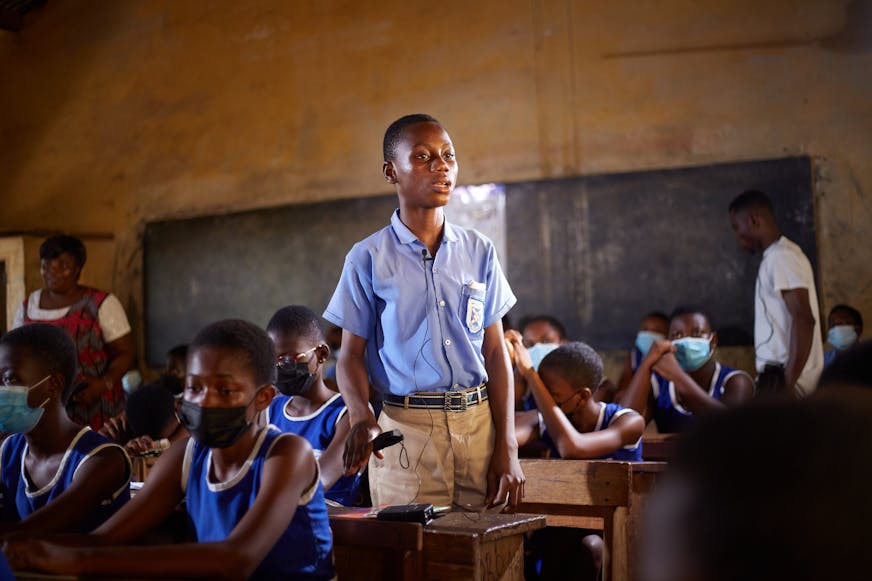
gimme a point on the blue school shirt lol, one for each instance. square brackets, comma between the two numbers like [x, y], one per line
[20, 499]
[423, 317]
[303, 551]
[608, 413]
[669, 415]
[318, 429]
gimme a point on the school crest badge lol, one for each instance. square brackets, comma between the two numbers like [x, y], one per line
[474, 315]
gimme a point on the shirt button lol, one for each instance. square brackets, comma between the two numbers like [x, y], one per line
[441, 303]
[448, 342]
[456, 385]
[435, 270]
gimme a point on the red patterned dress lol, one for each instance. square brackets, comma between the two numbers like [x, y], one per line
[82, 324]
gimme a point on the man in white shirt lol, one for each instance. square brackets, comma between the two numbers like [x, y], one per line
[787, 337]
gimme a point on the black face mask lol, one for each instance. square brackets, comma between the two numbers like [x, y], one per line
[294, 379]
[214, 427]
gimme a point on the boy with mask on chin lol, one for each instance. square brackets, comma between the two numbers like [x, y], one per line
[689, 380]
[306, 406]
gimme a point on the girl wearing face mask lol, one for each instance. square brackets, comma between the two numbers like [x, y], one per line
[687, 379]
[56, 476]
[252, 493]
[306, 406]
[845, 327]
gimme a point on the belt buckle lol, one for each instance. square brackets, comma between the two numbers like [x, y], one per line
[448, 406]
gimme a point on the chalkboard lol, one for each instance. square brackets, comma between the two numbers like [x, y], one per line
[248, 265]
[600, 251]
[597, 252]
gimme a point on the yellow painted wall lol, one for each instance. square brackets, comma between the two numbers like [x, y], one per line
[116, 113]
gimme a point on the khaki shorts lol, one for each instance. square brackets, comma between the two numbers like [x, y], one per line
[443, 459]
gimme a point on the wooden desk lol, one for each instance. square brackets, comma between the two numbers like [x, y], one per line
[455, 546]
[595, 494]
[659, 447]
[365, 548]
[477, 546]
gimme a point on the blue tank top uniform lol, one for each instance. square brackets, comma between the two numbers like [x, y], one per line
[20, 498]
[608, 413]
[669, 415]
[318, 429]
[305, 548]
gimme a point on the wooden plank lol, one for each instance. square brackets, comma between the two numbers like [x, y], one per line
[576, 482]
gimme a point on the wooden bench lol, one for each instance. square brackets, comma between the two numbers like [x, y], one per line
[593, 494]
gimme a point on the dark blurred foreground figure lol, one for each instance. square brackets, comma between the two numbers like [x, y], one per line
[771, 491]
[852, 367]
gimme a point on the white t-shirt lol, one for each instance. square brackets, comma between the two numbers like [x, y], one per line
[785, 267]
[110, 315]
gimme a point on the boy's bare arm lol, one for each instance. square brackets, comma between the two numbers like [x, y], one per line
[505, 477]
[354, 387]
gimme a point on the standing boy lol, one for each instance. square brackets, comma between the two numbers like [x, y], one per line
[787, 332]
[420, 304]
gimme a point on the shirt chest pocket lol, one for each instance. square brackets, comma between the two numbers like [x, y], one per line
[472, 299]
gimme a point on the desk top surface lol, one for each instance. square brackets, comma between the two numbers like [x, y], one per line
[490, 526]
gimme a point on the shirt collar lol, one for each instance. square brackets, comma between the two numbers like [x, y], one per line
[406, 236]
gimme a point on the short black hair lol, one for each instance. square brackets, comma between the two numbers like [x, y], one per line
[751, 200]
[179, 351]
[552, 321]
[850, 367]
[52, 347]
[394, 132]
[854, 313]
[54, 246]
[692, 310]
[296, 320]
[149, 409]
[244, 337]
[578, 363]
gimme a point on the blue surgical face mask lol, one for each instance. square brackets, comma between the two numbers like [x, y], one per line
[842, 336]
[16, 417]
[539, 351]
[692, 352]
[645, 339]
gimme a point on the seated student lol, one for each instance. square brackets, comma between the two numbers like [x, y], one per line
[845, 328]
[151, 419]
[689, 380]
[773, 491]
[653, 327]
[55, 475]
[173, 375]
[307, 407]
[253, 494]
[541, 334]
[577, 427]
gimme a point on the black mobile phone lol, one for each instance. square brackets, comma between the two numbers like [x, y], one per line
[420, 513]
[386, 439]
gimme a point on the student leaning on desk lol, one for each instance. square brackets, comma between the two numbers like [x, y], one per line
[253, 494]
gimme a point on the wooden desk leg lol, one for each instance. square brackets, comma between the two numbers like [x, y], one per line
[621, 547]
[503, 559]
[608, 545]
